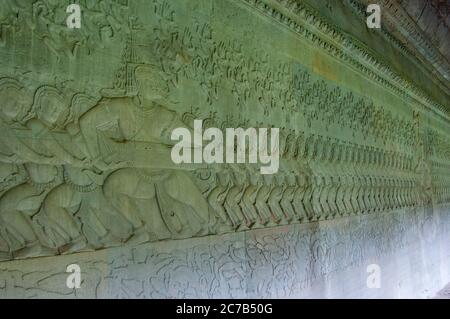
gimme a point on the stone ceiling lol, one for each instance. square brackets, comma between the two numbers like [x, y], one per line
[423, 27]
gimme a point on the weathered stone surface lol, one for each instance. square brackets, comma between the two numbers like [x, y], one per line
[86, 116]
[326, 260]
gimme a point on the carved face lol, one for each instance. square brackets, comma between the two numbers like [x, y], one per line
[52, 110]
[15, 104]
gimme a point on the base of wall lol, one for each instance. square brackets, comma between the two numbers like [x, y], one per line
[327, 259]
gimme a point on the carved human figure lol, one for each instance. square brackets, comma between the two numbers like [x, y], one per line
[11, 175]
[20, 116]
[262, 198]
[20, 204]
[16, 104]
[307, 199]
[233, 198]
[360, 198]
[332, 196]
[275, 196]
[247, 203]
[409, 187]
[388, 189]
[288, 197]
[155, 203]
[354, 195]
[60, 206]
[385, 192]
[316, 195]
[216, 198]
[297, 202]
[370, 194]
[340, 195]
[48, 119]
[10, 18]
[48, 19]
[376, 194]
[135, 131]
[348, 182]
[79, 216]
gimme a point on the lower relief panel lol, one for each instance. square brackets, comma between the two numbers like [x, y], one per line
[399, 254]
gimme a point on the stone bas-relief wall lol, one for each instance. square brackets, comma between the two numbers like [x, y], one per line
[86, 117]
[327, 259]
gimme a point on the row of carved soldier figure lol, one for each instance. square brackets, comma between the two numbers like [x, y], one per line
[272, 85]
[308, 147]
[242, 200]
[437, 145]
[441, 180]
[329, 105]
[442, 192]
[334, 151]
[442, 168]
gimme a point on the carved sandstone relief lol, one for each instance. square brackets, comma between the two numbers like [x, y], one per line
[88, 169]
[283, 263]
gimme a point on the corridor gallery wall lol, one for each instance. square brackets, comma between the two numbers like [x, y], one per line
[221, 149]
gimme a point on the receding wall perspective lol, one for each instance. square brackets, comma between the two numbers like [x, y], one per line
[347, 196]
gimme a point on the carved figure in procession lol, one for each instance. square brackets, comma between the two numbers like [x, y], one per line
[248, 201]
[233, 198]
[278, 188]
[78, 215]
[297, 203]
[48, 24]
[43, 118]
[216, 198]
[262, 198]
[135, 131]
[50, 117]
[11, 175]
[10, 18]
[340, 193]
[16, 102]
